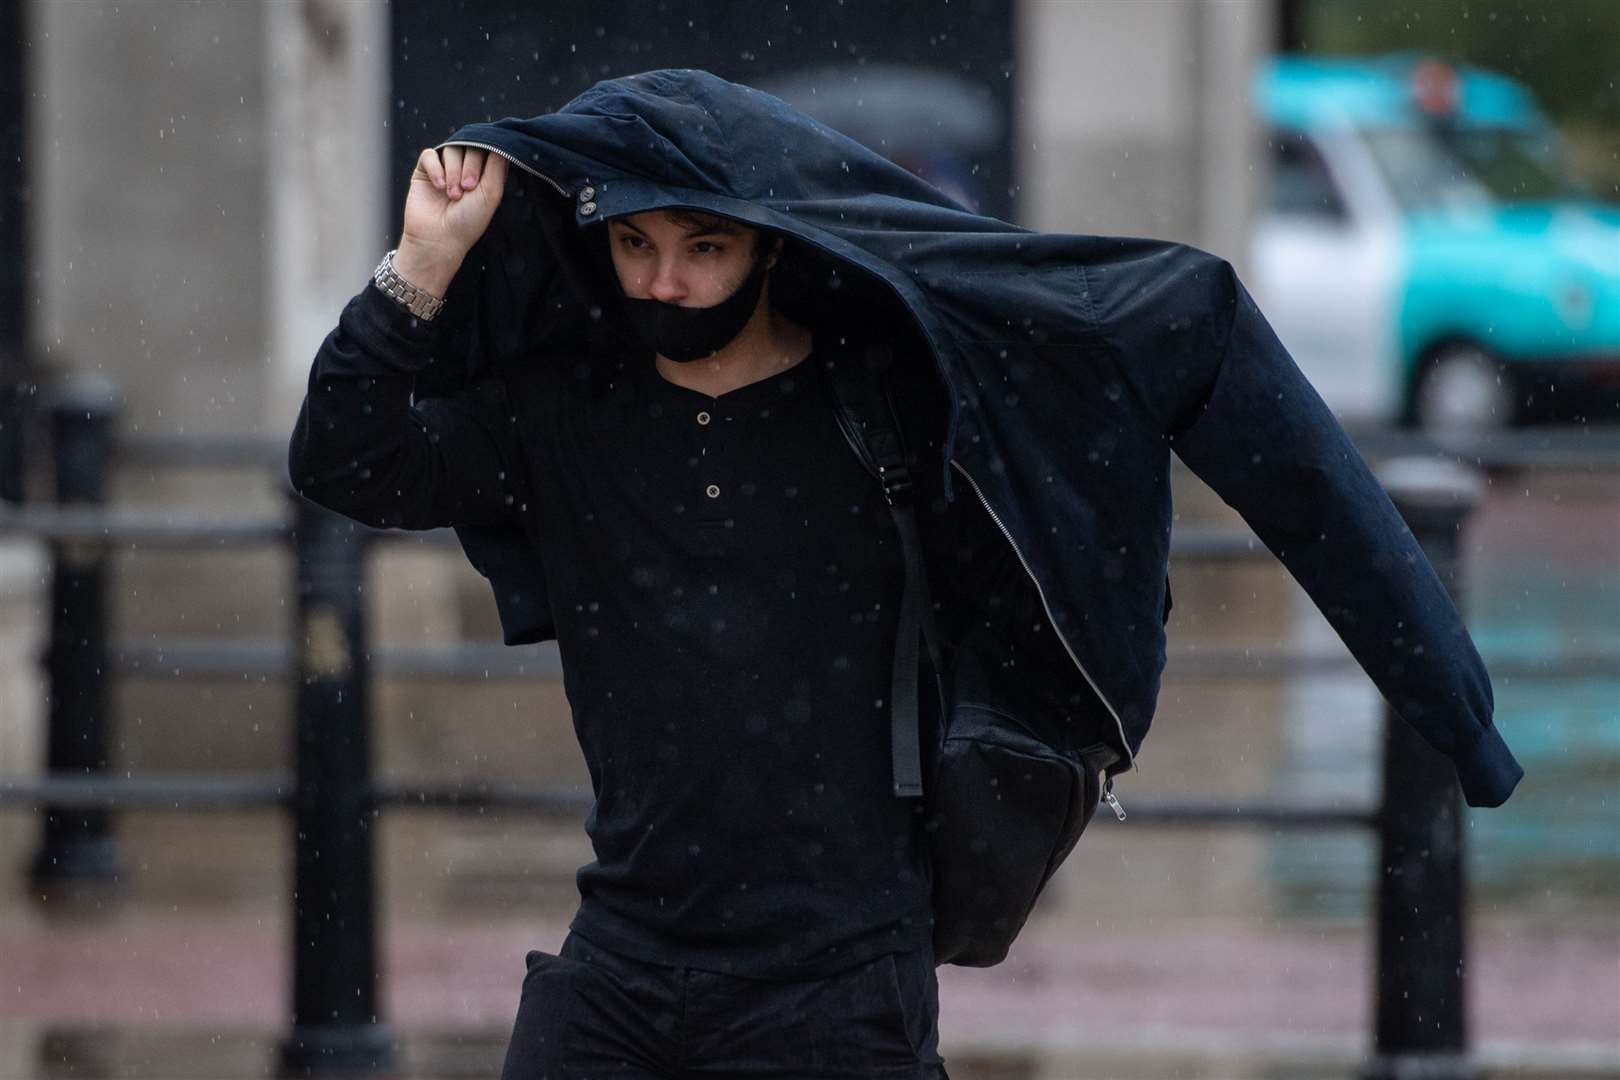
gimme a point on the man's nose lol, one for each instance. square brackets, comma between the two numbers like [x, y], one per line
[666, 284]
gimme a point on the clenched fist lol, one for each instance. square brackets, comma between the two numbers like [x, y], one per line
[454, 193]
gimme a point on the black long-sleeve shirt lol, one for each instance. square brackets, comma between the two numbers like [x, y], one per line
[724, 579]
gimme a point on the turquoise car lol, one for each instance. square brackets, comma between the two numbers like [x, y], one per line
[1426, 252]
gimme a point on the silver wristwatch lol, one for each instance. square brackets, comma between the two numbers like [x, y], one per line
[423, 304]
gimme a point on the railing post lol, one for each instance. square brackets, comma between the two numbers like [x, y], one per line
[1420, 1006]
[334, 991]
[78, 845]
[16, 380]
[15, 390]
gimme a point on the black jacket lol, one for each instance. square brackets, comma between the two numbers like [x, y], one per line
[1070, 366]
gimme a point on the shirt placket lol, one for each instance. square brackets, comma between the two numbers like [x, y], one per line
[714, 430]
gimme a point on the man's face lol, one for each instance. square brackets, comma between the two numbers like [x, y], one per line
[686, 260]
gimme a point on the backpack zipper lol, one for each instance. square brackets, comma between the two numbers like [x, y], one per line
[1111, 799]
[1130, 759]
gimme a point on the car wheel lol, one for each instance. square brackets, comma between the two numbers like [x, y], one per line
[1464, 388]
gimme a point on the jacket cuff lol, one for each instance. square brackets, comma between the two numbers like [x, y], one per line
[1487, 770]
[403, 341]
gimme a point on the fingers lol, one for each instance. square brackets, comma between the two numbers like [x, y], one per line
[452, 171]
[428, 165]
[472, 167]
[494, 178]
[456, 170]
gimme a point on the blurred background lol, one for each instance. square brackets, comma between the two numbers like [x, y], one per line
[1424, 196]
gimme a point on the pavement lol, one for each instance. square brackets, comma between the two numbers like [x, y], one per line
[1190, 1001]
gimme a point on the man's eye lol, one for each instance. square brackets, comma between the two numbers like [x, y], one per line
[705, 244]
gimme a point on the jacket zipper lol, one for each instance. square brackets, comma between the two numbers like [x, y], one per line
[526, 168]
[1130, 759]
[1112, 800]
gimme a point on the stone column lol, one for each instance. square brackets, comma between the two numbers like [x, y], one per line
[1135, 119]
[1233, 36]
[326, 155]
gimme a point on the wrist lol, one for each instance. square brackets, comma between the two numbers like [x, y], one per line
[426, 269]
[419, 301]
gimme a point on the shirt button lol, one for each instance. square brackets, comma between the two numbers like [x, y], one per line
[703, 418]
[587, 193]
[712, 491]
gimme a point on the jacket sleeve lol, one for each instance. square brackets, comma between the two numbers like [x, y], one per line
[1203, 361]
[364, 448]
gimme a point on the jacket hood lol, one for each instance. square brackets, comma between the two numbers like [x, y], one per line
[869, 233]
[690, 130]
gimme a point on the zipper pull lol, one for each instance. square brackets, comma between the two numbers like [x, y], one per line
[1109, 798]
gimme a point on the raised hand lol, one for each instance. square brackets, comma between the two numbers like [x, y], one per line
[453, 195]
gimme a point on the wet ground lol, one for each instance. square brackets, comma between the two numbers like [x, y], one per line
[151, 993]
[1157, 953]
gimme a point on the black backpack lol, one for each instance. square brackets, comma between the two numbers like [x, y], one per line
[1003, 803]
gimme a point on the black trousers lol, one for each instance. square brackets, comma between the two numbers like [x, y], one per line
[589, 1014]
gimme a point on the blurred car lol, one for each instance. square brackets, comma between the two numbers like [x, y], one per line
[1426, 252]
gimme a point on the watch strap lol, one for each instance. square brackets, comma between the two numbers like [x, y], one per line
[423, 304]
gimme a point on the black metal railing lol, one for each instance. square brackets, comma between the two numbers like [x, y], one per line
[334, 799]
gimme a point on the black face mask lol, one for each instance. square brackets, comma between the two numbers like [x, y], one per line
[684, 334]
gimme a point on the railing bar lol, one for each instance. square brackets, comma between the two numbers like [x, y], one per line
[184, 657]
[164, 528]
[546, 801]
[1237, 663]
[1182, 813]
[188, 792]
[1572, 445]
[149, 792]
[206, 451]
[200, 657]
[134, 526]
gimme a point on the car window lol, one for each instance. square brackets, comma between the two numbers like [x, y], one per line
[1301, 185]
[1450, 166]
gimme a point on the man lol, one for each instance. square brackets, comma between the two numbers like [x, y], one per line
[623, 410]
[728, 587]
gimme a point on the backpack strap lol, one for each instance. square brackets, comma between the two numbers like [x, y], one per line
[867, 417]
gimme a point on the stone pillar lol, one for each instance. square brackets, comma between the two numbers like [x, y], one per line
[1134, 118]
[145, 162]
[1232, 37]
[326, 152]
